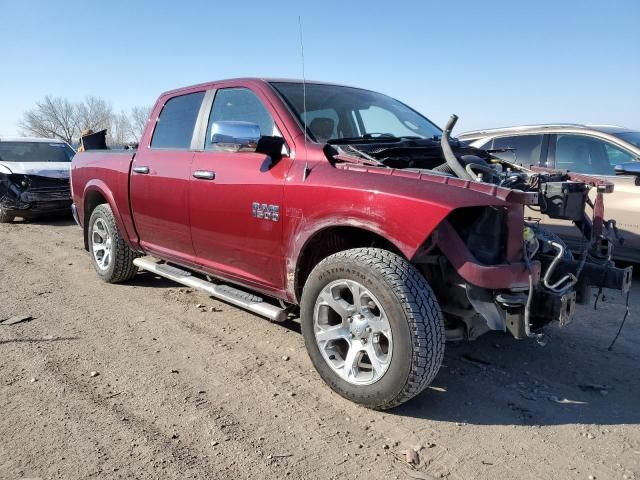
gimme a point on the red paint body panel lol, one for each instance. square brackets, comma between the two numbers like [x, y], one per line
[107, 174]
[208, 224]
[227, 238]
[160, 202]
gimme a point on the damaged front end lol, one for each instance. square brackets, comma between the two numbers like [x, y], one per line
[29, 196]
[497, 266]
[489, 247]
[490, 273]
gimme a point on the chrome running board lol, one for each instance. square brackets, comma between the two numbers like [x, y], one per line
[226, 293]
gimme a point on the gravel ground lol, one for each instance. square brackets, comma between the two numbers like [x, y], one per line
[137, 381]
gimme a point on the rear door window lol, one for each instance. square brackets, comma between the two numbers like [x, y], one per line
[177, 120]
[524, 150]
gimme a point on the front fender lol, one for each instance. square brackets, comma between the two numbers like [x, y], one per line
[387, 220]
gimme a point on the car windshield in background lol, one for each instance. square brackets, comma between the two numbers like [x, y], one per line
[631, 137]
[334, 112]
[35, 152]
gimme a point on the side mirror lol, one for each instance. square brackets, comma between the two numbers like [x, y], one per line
[271, 146]
[236, 136]
[629, 168]
[232, 136]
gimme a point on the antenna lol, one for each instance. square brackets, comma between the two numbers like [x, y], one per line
[305, 173]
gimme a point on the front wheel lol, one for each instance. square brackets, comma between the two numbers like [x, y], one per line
[372, 327]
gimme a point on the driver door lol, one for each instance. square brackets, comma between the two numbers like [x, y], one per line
[231, 237]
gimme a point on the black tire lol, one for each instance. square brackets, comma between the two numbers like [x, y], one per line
[414, 316]
[121, 267]
[6, 217]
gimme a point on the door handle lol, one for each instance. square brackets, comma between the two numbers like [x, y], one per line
[204, 174]
[142, 170]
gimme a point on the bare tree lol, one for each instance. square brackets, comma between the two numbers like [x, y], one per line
[120, 132]
[93, 114]
[52, 117]
[56, 117]
[138, 119]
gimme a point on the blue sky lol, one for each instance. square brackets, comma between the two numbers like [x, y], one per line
[494, 63]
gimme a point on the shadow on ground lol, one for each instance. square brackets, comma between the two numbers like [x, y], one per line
[497, 380]
[501, 381]
[52, 220]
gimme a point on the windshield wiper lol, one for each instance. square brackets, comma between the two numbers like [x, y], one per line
[367, 138]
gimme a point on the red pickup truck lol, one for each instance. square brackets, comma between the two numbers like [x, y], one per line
[348, 209]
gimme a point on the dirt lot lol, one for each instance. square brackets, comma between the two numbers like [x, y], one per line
[185, 393]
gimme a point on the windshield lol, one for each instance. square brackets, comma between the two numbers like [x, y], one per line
[35, 152]
[631, 137]
[334, 112]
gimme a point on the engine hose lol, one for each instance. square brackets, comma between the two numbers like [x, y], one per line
[470, 167]
[449, 156]
[527, 310]
[527, 307]
[570, 279]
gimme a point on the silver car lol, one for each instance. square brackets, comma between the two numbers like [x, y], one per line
[589, 149]
[34, 177]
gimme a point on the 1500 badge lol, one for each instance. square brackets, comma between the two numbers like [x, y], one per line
[268, 212]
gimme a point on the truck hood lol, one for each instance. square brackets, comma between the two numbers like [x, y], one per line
[43, 169]
[451, 192]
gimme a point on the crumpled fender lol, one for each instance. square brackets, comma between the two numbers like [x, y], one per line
[402, 207]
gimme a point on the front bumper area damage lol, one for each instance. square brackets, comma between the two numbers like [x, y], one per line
[34, 195]
[489, 274]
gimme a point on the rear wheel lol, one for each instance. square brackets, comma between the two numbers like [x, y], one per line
[6, 217]
[372, 327]
[111, 256]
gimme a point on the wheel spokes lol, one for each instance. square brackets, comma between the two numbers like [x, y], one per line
[331, 333]
[338, 305]
[352, 332]
[350, 367]
[101, 244]
[377, 363]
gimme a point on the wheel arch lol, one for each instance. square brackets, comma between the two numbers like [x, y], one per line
[97, 193]
[333, 239]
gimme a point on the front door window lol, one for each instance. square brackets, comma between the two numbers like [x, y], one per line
[584, 154]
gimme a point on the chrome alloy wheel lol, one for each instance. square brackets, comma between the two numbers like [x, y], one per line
[352, 332]
[101, 244]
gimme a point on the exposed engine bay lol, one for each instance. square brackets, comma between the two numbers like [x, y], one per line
[557, 277]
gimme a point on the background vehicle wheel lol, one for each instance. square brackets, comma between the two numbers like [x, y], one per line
[6, 217]
[372, 327]
[111, 256]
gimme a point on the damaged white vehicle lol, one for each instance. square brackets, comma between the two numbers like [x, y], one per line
[34, 177]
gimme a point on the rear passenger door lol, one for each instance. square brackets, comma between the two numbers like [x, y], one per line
[160, 179]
